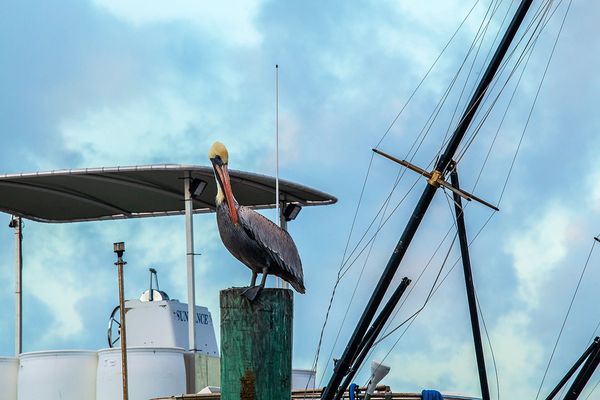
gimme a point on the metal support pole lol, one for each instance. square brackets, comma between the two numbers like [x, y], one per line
[17, 224]
[349, 354]
[189, 241]
[119, 248]
[584, 375]
[574, 368]
[466, 261]
[372, 334]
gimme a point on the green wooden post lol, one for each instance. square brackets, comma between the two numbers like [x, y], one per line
[256, 345]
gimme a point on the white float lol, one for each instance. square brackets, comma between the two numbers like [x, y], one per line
[152, 372]
[9, 367]
[63, 374]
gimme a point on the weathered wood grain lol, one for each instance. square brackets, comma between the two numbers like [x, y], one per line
[256, 345]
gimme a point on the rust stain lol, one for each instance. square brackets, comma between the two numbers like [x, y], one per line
[248, 386]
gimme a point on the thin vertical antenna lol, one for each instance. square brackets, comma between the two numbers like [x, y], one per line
[277, 212]
[277, 217]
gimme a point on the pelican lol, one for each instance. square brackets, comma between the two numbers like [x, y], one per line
[251, 238]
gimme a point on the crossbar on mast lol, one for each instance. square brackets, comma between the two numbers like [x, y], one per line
[438, 180]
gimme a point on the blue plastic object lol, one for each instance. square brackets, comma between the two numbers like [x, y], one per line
[431, 395]
[352, 391]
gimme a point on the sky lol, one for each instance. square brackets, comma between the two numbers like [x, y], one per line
[114, 83]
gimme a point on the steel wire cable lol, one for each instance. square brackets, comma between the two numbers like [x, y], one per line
[370, 163]
[509, 173]
[528, 50]
[566, 317]
[425, 130]
[460, 97]
[411, 319]
[506, 60]
[392, 124]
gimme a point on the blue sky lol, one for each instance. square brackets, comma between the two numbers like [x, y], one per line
[105, 83]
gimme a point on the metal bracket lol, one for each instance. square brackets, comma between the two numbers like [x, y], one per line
[436, 178]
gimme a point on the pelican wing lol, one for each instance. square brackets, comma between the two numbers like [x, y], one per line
[276, 241]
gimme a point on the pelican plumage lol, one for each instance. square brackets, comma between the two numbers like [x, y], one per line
[251, 238]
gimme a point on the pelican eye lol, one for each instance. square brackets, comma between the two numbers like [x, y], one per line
[217, 160]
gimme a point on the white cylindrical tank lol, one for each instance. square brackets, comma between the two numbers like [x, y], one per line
[62, 374]
[152, 372]
[303, 379]
[9, 367]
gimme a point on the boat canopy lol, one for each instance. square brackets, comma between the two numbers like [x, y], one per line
[93, 194]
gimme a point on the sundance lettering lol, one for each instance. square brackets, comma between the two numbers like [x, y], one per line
[182, 316]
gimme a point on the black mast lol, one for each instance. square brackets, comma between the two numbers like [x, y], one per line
[372, 333]
[466, 260]
[586, 372]
[587, 354]
[441, 167]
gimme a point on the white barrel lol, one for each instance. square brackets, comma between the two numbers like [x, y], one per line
[9, 367]
[152, 372]
[303, 379]
[62, 374]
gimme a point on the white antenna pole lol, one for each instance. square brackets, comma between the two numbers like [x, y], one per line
[277, 216]
[277, 212]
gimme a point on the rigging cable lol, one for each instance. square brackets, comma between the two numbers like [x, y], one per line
[392, 211]
[493, 213]
[564, 322]
[427, 73]
[501, 195]
[425, 130]
[528, 49]
[369, 167]
[540, 11]
[458, 102]
[511, 54]
[412, 318]
[489, 342]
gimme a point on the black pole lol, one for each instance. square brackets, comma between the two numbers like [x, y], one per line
[466, 261]
[574, 368]
[350, 351]
[584, 375]
[372, 334]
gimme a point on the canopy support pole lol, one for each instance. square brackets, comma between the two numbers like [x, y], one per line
[17, 224]
[189, 241]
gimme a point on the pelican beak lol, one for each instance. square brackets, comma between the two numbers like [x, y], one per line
[226, 186]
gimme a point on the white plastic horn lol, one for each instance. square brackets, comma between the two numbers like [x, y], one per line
[378, 372]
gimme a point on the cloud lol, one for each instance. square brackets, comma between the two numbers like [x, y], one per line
[539, 247]
[224, 20]
[160, 127]
[518, 354]
[58, 283]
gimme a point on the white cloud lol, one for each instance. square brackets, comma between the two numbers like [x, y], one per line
[54, 277]
[539, 248]
[224, 20]
[518, 354]
[592, 179]
[161, 127]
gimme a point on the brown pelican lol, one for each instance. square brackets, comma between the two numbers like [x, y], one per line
[251, 238]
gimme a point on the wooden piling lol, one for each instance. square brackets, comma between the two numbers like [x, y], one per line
[256, 345]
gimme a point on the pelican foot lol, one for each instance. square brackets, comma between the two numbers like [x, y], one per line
[252, 292]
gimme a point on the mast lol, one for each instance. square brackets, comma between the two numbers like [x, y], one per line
[589, 353]
[414, 222]
[466, 260]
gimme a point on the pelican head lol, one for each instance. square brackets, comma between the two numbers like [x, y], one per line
[219, 158]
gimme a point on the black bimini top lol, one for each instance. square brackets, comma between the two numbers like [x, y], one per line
[93, 194]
